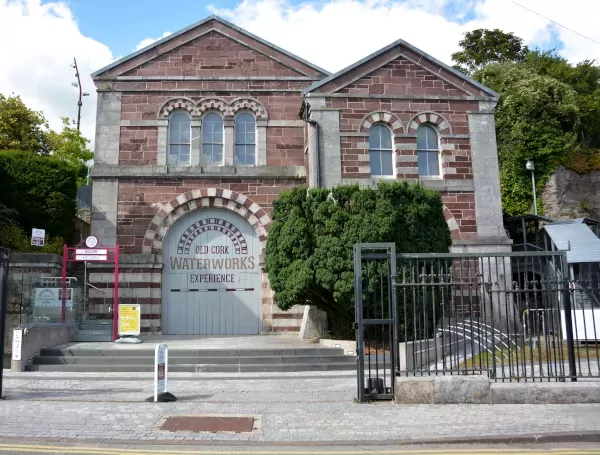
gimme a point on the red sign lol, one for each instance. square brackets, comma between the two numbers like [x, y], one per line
[161, 371]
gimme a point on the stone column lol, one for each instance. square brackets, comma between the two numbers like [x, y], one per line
[228, 142]
[261, 142]
[329, 147]
[163, 142]
[195, 143]
[105, 192]
[486, 173]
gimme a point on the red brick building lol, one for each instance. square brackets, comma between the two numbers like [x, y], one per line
[198, 133]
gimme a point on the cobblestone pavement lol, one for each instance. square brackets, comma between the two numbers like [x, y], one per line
[288, 410]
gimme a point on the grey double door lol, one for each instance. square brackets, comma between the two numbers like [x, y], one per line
[211, 277]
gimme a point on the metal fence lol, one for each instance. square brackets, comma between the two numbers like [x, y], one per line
[525, 316]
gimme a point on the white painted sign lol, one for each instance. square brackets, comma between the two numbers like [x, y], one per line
[101, 251]
[161, 359]
[52, 297]
[16, 344]
[91, 257]
[38, 236]
[91, 241]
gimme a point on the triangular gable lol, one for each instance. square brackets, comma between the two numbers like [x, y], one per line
[401, 64]
[271, 54]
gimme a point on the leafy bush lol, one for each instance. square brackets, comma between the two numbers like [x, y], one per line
[20, 242]
[41, 189]
[310, 245]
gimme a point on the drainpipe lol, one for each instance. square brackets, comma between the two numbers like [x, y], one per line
[317, 154]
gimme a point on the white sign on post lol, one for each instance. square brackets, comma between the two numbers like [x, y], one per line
[16, 344]
[38, 236]
[161, 359]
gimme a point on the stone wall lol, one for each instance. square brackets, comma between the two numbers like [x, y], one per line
[570, 195]
[22, 266]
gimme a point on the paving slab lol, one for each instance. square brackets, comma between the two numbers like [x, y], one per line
[289, 410]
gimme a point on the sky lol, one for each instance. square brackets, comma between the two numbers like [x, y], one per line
[39, 38]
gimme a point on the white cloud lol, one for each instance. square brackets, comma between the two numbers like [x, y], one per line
[38, 46]
[336, 33]
[148, 41]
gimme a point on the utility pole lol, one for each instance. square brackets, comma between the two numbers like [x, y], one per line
[79, 101]
[81, 92]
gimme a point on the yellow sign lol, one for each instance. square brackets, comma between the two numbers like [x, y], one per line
[129, 319]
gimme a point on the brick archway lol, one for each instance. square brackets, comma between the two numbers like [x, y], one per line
[199, 199]
[388, 118]
[433, 118]
[452, 224]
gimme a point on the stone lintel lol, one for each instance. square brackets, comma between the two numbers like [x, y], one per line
[160, 171]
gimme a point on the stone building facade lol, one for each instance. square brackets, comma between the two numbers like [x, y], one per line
[214, 120]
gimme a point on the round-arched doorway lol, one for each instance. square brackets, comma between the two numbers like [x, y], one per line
[211, 277]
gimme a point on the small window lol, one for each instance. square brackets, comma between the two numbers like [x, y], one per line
[212, 139]
[179, 139]
[245, 140]
[428, 151]
[380, 151]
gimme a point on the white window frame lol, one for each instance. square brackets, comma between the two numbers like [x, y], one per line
[203, 161]
[391, 150]
[235, 141]
[169, 143]
[437, 176]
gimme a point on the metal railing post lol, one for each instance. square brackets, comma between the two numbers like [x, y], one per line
[568, 319]
[4, 255]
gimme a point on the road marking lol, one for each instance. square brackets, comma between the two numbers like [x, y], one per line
[274, 451]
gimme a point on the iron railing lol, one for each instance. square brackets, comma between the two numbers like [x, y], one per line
[511, 316]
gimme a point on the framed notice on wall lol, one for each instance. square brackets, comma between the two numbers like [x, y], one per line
[130, 317]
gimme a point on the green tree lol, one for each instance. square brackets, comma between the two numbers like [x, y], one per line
[482, 46]
[22, 128]
[537, 118]
[41, 189]
[71, 146]
[310, 244]
[7, 219]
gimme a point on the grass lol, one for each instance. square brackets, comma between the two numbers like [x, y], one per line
[553, 351]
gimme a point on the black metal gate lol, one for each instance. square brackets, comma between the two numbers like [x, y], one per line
[376, 329]
[4, 255]
[512, 316]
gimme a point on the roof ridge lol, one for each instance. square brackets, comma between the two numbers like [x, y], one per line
[198, 24]
[400, 42]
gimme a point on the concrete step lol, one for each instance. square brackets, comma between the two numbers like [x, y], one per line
[176, 360]
[198, 368]
[107, 327]
[87, 337]
[142, 351]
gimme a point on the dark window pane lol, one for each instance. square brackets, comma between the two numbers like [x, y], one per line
[387, 163]
[422, 156]
[212, 129]
[427, 138]
[244, 155]
[375, 157]
[179, 129]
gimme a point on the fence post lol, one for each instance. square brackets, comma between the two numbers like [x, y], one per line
[4, 255]
[569, 320]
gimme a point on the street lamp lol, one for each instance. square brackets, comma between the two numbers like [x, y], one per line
[530, 167]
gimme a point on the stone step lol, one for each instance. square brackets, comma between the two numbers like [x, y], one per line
[141, 351]
[106, 327]
[176, 360]
[101, 337]
[195, 368]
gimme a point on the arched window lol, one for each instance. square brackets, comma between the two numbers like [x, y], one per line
[212, 138]
[380, 151]
[179, 139]
[245, 139]
[428, 151]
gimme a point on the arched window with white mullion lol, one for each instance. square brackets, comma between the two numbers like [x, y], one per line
[245, 139]
[179, 139]
[381, 154]
[212, 139]
[428, 151]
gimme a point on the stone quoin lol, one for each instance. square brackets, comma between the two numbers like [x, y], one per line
[198, 133]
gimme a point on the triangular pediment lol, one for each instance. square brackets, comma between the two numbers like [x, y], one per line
[401, 69]
[211, 48]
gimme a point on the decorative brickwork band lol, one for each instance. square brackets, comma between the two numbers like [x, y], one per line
[381, 117]
[185, 104]
[452, 224]
[200, 199]
[433, 118]
[228, 110]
